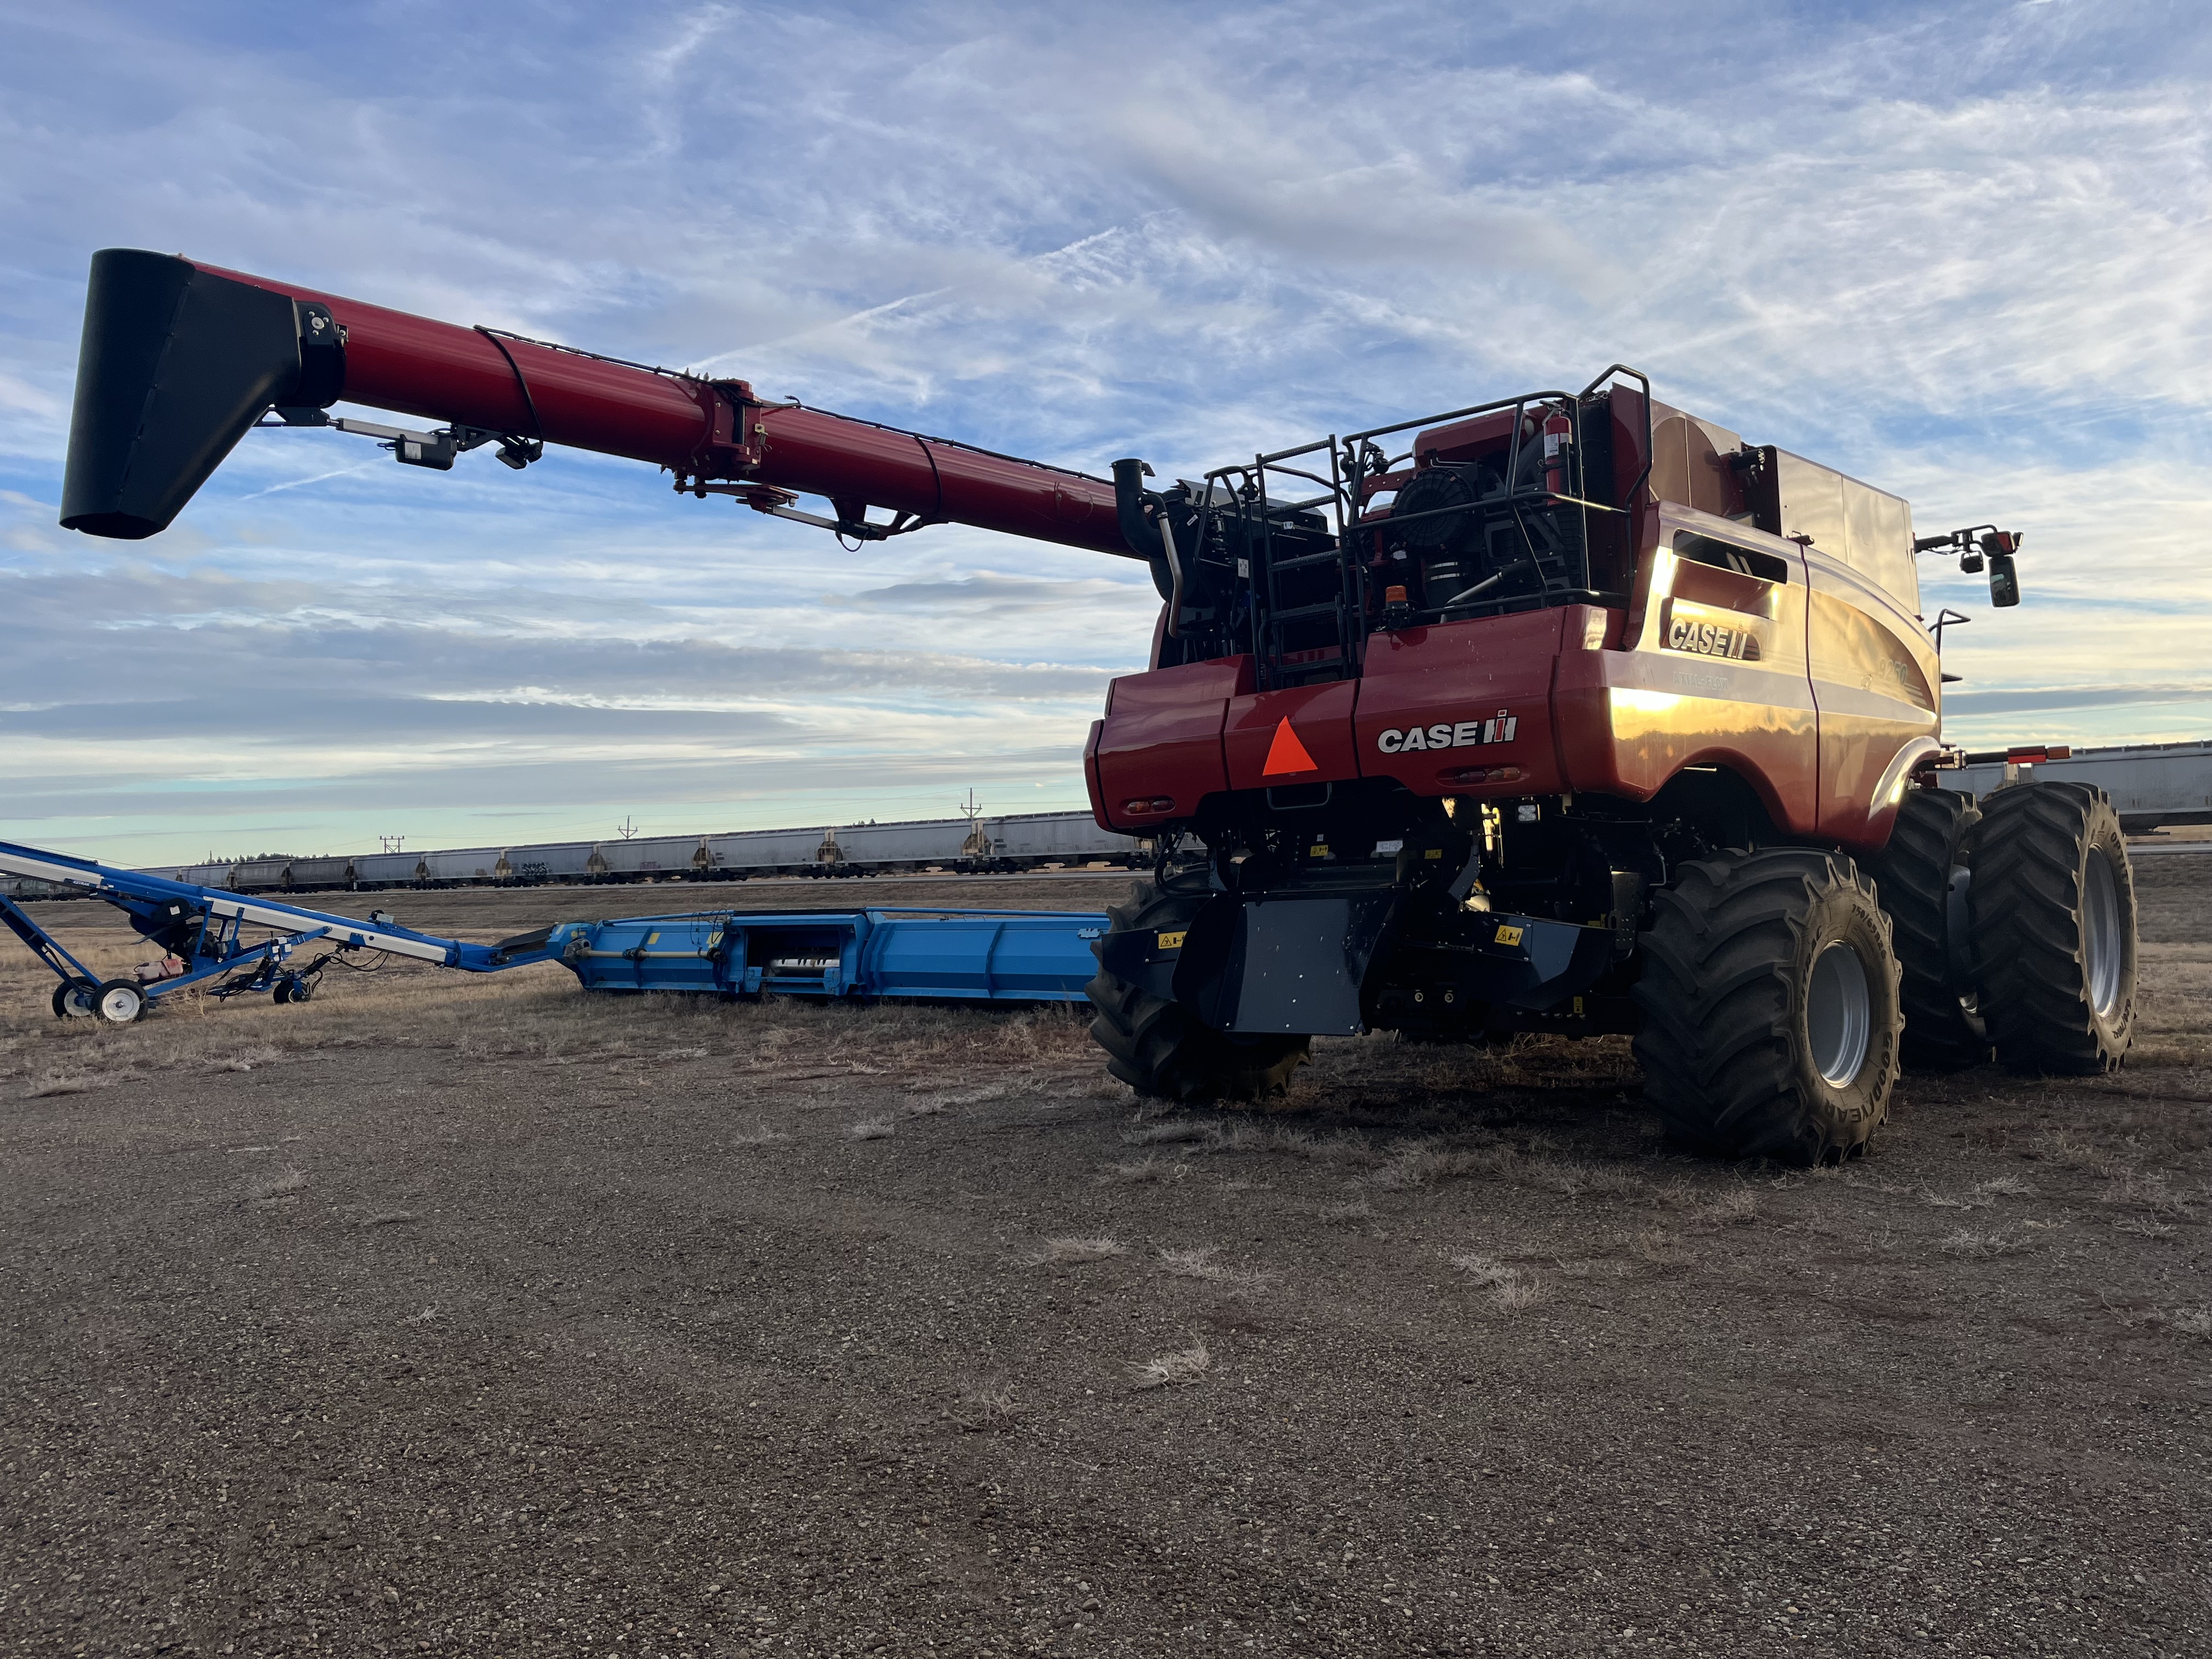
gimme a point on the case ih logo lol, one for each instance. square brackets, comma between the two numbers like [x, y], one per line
[1499, 728]
[1709, 640]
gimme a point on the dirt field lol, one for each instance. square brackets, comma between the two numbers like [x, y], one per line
[482, 1317]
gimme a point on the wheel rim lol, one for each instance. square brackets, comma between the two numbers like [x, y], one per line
[120, 1005]
[1838, 1013]
[2102, 950]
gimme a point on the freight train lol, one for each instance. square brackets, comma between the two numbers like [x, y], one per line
[1014, 842]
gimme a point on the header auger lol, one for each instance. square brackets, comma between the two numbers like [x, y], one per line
[1566, 712]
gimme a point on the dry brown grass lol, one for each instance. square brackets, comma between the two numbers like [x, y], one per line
[1971, 1245]
[2195, 1323]
[1358, 1212]
[1656, 1247]
[1198, 1263]
[1164, 1131]
[1069, 1252]
[1427, 1164]
[1148, 1167]
[985, 1407]
[283, 1184]
[1734, 1207]
[1183, 1366]
[1511, 1289]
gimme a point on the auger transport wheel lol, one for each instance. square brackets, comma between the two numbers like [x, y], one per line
[73, 998]
[2053, 902]
[1769, 997]
[1157, 1047]
[1921, 879]
[119, 1001]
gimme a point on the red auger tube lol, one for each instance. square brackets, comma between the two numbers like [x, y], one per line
[181, 359]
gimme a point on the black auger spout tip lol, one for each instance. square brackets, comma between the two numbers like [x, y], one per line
[177, 364]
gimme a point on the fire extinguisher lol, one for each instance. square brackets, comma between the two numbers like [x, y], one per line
[1559, 440]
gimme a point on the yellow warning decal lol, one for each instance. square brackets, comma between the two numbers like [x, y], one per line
[1172, 941]
[1508, 935]
[1434, 853]
[652, 938]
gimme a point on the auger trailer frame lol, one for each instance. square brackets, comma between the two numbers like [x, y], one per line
[912, 955]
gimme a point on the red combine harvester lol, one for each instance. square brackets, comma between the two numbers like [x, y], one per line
[1568, 712]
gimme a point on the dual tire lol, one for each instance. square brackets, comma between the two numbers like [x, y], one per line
[2007, 929]
[2052, 906]
[1771, 1022]
[2015, 926]
[1923, 877]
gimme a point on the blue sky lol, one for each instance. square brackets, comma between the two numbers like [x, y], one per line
[1961, 251]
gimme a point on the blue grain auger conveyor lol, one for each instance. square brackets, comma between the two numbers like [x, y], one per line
[958, 955]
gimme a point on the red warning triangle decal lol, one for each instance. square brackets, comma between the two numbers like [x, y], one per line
[1287, 754]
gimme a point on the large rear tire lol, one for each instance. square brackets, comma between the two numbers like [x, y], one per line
[1922, 876]
[1771, 1023]
[1158, 1048]
[2053, 902]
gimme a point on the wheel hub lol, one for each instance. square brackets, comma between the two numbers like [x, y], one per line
[2102, 948]
[1838, 1014]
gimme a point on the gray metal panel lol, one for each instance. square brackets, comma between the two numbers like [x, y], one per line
[321, 872]
[1868, 528]
[387, 869]
[2158, 782]
[463, 864]
[1068, 835]
[649, 855]
[765, 849]
[552, 860]
[930, 840]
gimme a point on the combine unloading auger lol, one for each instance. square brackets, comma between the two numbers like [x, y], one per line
[181, 360]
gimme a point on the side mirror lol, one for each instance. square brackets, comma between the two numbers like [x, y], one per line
[2004, 581]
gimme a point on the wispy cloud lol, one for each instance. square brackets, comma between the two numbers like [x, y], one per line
[1961, 255]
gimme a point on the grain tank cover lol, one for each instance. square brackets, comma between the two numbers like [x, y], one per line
[1868, 528]
[177, 363]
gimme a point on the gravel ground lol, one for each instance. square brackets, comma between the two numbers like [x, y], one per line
[482, 1317]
